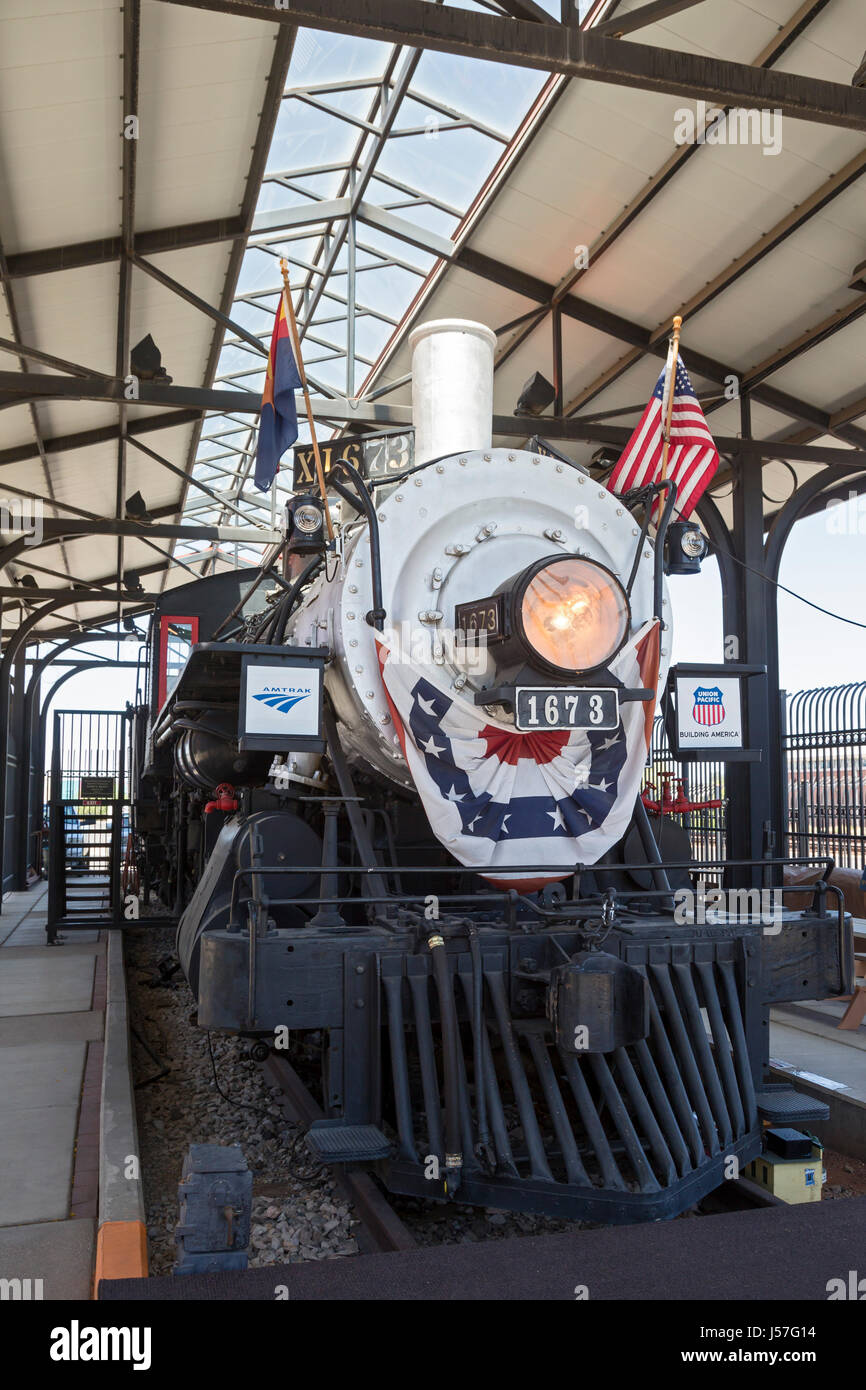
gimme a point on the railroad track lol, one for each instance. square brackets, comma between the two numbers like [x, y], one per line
[382, 1230]
[740, 1194]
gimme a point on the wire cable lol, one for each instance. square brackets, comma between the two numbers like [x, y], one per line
[767, 580]
[303, 1168]
[715, 548]
[239, 1104]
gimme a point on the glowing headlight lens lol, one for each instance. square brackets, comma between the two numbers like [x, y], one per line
[574, 614]
[308, 519]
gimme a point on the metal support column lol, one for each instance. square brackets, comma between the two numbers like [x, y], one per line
[24, 780]
[749, 783]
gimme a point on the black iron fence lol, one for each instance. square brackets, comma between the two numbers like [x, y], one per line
[825, 755]
[696, 782]
[88, 815]
[825, 747]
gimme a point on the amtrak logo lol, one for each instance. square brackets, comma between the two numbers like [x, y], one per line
[280, 700]
[708, 706]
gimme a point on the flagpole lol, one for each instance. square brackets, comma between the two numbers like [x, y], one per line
[671, 389]
[320, 475]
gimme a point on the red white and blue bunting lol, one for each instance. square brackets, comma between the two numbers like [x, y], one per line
[495, 797]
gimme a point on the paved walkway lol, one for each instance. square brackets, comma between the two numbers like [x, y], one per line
[52, 1008]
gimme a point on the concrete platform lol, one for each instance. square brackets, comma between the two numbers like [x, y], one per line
[51, 1028]
[36, 1160]
[809, 1051]
[19, 907]
[50, 983]
[58, 1253]
[84, 1026]
[32, 933]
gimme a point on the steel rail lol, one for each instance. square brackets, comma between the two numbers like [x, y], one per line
[383, 1227]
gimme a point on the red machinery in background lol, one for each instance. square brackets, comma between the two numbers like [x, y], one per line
[670, 804]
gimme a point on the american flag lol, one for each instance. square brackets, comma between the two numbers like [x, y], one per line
[692, 458]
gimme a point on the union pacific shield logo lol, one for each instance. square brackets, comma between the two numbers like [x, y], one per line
[708, 707]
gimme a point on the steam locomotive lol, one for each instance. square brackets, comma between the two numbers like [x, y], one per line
[389, 788]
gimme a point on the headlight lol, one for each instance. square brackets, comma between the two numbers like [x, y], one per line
[572, 613]
[693, 544]
[308, 518]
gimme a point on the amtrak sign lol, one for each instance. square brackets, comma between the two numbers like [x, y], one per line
[709, 712]
[281, 703]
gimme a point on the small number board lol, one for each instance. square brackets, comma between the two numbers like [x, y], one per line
[546, 707]
[483, 615]
[374, 456]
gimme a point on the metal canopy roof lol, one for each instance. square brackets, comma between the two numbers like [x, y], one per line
[406, 183]
[755, 250]
[205, 90]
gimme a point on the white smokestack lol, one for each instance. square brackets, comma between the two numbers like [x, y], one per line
[452, 387]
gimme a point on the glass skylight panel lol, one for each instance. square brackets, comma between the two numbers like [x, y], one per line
[461, 113]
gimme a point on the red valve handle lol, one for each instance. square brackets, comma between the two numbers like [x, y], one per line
[224, 799]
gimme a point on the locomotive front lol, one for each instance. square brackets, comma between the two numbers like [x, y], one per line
[418, 873]
[500, 569]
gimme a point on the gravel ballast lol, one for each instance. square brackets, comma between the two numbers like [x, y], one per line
[293, 1219]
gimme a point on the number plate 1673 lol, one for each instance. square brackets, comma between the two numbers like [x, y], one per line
[540, 707]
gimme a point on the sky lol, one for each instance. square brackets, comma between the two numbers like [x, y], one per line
[825, 561]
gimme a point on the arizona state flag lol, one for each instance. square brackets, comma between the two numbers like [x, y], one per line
[278, 427]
